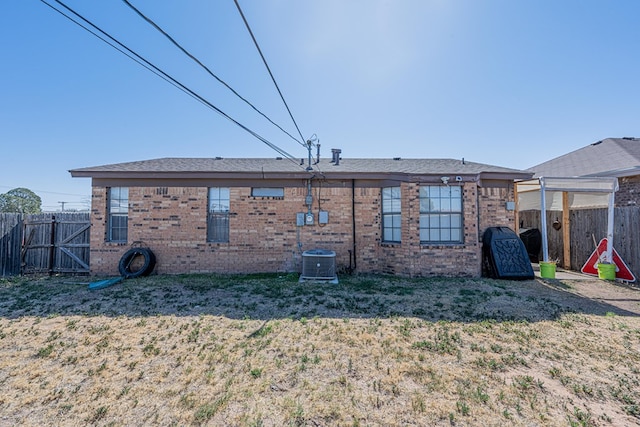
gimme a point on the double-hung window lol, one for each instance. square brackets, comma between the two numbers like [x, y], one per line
[440, 214]
[118, 214]
[218, 215]
[391, 214]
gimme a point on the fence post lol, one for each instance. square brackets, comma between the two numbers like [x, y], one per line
[52, 245]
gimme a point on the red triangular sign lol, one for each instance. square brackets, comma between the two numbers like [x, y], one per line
[591, 266]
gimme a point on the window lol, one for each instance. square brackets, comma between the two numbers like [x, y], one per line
[218, 215]
[441, 214]
[267, 192]
[118, 214]
[391, 215]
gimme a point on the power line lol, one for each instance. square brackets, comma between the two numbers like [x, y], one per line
[211, 73]
[310, 142]
[255, 42]
[139, 62]
[166, 76]
[47, 192]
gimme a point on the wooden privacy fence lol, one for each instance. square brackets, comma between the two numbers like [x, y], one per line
[10, 243]
[585, 223]
[44, 243]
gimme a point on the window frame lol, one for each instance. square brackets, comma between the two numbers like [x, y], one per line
[117, 207]
[448, 212]
[270, 192]
[218, 206]
[391, 214]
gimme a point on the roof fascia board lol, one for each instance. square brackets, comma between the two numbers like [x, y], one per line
[510, 176]
[399, 176]
[286, 183]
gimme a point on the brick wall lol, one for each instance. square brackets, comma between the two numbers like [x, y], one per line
[492, 204]
[629, 191]
[263, 235]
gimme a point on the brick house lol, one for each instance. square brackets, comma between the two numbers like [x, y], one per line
[611, 157]
[410, 217]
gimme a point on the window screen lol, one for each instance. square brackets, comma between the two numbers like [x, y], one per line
[118, 214]
[441, 214]
[391, 214]
[218, 215]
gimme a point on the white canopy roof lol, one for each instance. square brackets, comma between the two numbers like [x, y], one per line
[583, 192]
[592, 192]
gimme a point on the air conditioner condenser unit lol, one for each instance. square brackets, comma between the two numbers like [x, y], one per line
[319, 264]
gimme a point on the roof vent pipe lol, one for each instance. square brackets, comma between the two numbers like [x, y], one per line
[335, 155]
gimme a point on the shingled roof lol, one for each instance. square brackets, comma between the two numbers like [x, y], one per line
[213, 167]
[616, 157]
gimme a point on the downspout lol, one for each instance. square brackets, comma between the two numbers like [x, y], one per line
[478, 234]
[353, 220]
[479, 243]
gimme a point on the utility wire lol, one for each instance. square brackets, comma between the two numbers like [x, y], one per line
[211, 73]
[114, 46]
[255, 42]
[310, 142]
[166, 76]
[48, 192]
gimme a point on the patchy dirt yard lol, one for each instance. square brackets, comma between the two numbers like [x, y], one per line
[621, 296]
[269, 351]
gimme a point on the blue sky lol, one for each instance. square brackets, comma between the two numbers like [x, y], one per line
[505, 82]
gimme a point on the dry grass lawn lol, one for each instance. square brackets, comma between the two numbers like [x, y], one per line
[268, 351]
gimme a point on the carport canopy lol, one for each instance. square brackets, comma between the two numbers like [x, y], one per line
[546, 194]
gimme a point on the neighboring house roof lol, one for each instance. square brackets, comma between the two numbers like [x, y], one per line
[618, 157]
[279, 168]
